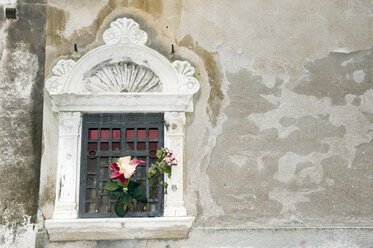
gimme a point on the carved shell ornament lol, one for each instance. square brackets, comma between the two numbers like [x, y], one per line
[124, 30]
[119, 73]
[186, 75]
[122, 77]
[55, 83]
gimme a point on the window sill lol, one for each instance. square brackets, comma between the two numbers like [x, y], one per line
[118, 228]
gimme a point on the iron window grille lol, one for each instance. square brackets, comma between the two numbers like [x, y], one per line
[105, 138]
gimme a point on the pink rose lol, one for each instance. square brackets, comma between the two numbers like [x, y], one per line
[127, 167]
[117, 174]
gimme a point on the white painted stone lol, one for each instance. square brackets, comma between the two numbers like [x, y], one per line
[174, 140]
[118, 228]
[122, 77]
[60, 70]
[124, 30]
[67, 170]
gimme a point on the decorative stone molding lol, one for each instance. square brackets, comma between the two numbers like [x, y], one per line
[104, 72]
[54, 84]
[174, 140]
[121, 76]
[68, 160]
[124, 30]
[186, 75]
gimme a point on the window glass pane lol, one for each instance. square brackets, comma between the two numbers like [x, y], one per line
[91, 165]
[92, 146]
[153, 207]
[91, 195]
[104, 146]
[141, 171]
[103, 204]
[116, 134]
[141, 133]
[104, 162]
[153, 145]
[153, 133]
[104, 173]
[90, 207]
[91, 180]
[92, 134]
[115, 146]
[105, 134]
[114, 159]
[130, 134]
[141, 146]
[130, 146]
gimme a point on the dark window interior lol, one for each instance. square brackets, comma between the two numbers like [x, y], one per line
[105, 138]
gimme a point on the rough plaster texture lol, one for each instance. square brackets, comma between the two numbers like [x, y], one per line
[22, 56]
[281, 135]
[250, 238]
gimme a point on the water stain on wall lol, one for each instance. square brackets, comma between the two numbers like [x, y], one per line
[215, 77]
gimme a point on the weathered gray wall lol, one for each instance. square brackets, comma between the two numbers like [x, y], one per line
[282, 129]
[22, 59]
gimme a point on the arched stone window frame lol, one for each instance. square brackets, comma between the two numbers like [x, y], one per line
[73, 92]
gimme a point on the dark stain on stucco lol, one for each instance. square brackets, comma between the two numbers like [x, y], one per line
[55, 28]
[215, 77]
[333, 76]
[153, 7]
[90, 37]
[21, 119]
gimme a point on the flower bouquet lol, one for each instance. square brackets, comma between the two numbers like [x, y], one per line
[165, 161]
[124, 190]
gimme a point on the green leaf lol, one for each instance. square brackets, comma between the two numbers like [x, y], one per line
[154, 186]
[111, 186]
[168, 171]
[159, 154]
[116, 194]
[137, 191]
[121, 207]
[165, 188]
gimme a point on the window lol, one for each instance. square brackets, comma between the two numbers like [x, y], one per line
[106, 137]
[121, 78]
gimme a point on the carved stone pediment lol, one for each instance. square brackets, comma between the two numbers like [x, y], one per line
[122, 76]
[125, 67]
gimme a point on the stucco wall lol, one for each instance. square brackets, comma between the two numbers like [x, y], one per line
[22, 54]
[281, 135]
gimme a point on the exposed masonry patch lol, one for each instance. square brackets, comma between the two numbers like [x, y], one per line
[338, 75]
[283, 141]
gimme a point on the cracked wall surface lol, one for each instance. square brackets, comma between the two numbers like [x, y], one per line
[281, 135]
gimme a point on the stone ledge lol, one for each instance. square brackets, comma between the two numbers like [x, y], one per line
[118, 228]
